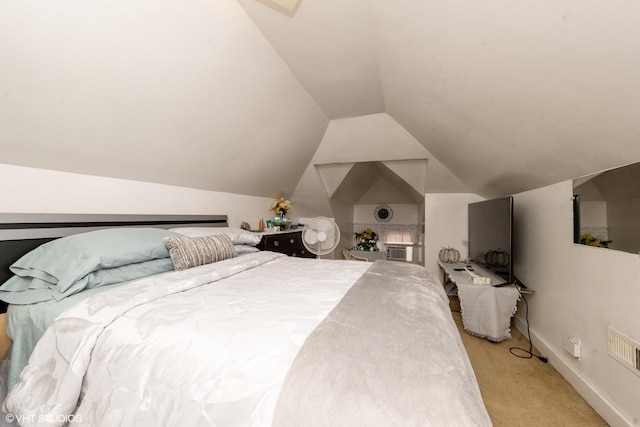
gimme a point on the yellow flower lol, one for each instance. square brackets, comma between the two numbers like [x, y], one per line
[281, 206]
[588, 239]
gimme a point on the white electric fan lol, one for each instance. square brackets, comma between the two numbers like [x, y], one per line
[321, 235]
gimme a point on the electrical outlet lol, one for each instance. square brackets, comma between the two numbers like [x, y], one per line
[572, 346]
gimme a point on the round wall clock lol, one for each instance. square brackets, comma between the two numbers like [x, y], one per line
[383, 213]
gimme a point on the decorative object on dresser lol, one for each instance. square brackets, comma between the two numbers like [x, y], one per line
[287, 242]
[449, 255]
[281, 207]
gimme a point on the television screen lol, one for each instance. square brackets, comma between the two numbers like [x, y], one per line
[491, 236]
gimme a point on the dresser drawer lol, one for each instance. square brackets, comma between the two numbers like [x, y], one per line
[288, 243]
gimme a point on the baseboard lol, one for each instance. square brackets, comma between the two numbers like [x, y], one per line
[601, 405]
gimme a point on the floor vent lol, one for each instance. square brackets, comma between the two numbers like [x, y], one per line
[624, 350]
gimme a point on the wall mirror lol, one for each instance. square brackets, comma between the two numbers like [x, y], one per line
[607, 209]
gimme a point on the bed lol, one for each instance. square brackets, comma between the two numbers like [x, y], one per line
[251, 339]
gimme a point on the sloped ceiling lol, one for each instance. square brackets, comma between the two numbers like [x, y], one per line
[330, 45]
[182, 93]
[232, 95]
[616, 184]
[508, 97]
[365, 182]
[385, 190]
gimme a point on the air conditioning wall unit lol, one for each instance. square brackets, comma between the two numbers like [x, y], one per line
[397, 253]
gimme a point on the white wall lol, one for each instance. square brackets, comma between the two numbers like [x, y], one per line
[593, 214]
[579, 290]
[29, 190]
[446, 224]
[624, 227]
[402, 213]
[405, 226]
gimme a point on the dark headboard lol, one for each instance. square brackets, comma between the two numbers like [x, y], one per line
[20, 233]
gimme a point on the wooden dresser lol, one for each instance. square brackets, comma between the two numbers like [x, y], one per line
[286, 242]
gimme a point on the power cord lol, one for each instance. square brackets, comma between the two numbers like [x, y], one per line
[528, 352]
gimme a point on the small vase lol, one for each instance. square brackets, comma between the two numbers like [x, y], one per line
[285, 223]
[282, 222]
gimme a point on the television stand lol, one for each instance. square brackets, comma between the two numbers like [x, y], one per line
[502, 285]
[486, 310]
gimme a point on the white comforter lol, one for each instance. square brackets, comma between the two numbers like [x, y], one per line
[205, 346]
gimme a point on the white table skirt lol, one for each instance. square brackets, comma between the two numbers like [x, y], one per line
[486, 310]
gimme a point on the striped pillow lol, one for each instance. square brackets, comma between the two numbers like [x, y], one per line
[189, 252]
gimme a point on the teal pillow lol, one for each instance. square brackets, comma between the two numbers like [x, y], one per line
[30, 290]
[63, 262]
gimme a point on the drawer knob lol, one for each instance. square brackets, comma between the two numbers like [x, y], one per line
[291, 241]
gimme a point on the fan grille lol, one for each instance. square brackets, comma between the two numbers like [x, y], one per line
[321, 235]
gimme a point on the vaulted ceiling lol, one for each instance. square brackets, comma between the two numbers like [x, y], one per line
[232, 95]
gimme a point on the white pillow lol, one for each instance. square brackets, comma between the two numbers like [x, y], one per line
[238, 236]
[244, 249]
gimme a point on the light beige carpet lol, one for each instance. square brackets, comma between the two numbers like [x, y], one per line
[523, 392]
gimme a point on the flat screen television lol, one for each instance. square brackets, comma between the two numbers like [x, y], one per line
[491, 236]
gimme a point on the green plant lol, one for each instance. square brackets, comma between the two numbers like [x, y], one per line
[366, 240]
[589, 240]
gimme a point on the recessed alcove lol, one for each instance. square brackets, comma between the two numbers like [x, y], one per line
[355, 189]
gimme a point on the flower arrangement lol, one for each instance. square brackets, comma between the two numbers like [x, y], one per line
[589, 240]
[281, 206]
[366, 241]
